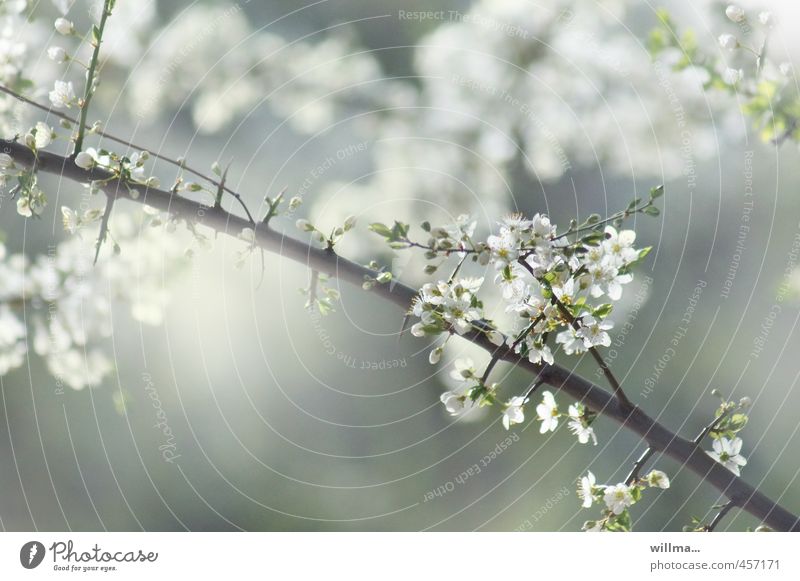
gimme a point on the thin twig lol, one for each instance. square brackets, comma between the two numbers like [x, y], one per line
[710, 427]
[91, 73]
[536, 385]
[177, 163]
[638, 465]
[489, 368]
[610, 377]
[726, 508]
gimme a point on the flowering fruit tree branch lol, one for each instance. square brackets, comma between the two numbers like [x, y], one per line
[325, 260]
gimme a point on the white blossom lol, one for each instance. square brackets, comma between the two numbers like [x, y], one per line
[64, 26]
[726, 452]
[456, 402]
[728, 41]
[12, 340]
[62, 95]
[618, 497]
[657, 479]
[547, 413]
[578, 425]
[514, 412]
[57, 54]
[732, 76]
[766, 18]
[586, 489]
[593, 332]
[84, 160]
[463, 370]
[571, 342]
[735, 13]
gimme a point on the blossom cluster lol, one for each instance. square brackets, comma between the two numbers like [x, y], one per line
[616, 499]
[559, 287]
[726, 445]
[746, 69]
[59, 305]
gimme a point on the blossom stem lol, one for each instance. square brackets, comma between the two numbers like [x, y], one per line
[91, 74]
[657, 436]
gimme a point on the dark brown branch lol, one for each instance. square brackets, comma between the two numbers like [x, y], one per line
[657, 436]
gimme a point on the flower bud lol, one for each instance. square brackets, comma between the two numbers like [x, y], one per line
[495, 337]
[304, 225]
[84, 161]
[6, 162]
[735, 13]
[418, 330]
[57, 54]
[64, 26]
[728, 41]
[745, 402]
[732, 76]
[435, 356]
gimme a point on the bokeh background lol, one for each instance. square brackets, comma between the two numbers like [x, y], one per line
[282, 420]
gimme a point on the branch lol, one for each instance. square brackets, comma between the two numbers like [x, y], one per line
[97, 39]
[657, 436]
[179, 163]
[726, 508]
[638, 465]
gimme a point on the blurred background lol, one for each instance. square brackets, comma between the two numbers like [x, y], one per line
[241, 410]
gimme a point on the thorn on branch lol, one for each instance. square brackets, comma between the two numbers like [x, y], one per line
[104, 226]
[726, 508]
[710, 427]
[536, 385]
[638, 465]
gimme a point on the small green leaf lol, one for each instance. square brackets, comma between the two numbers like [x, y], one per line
[603, 311]
[381, 229]
[652, 211]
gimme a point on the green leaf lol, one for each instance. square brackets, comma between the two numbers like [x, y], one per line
[652, 211]
[656, 192]
[381, 229]
[603, 311]
[737, 422]
[594, 239]
[634, 203]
